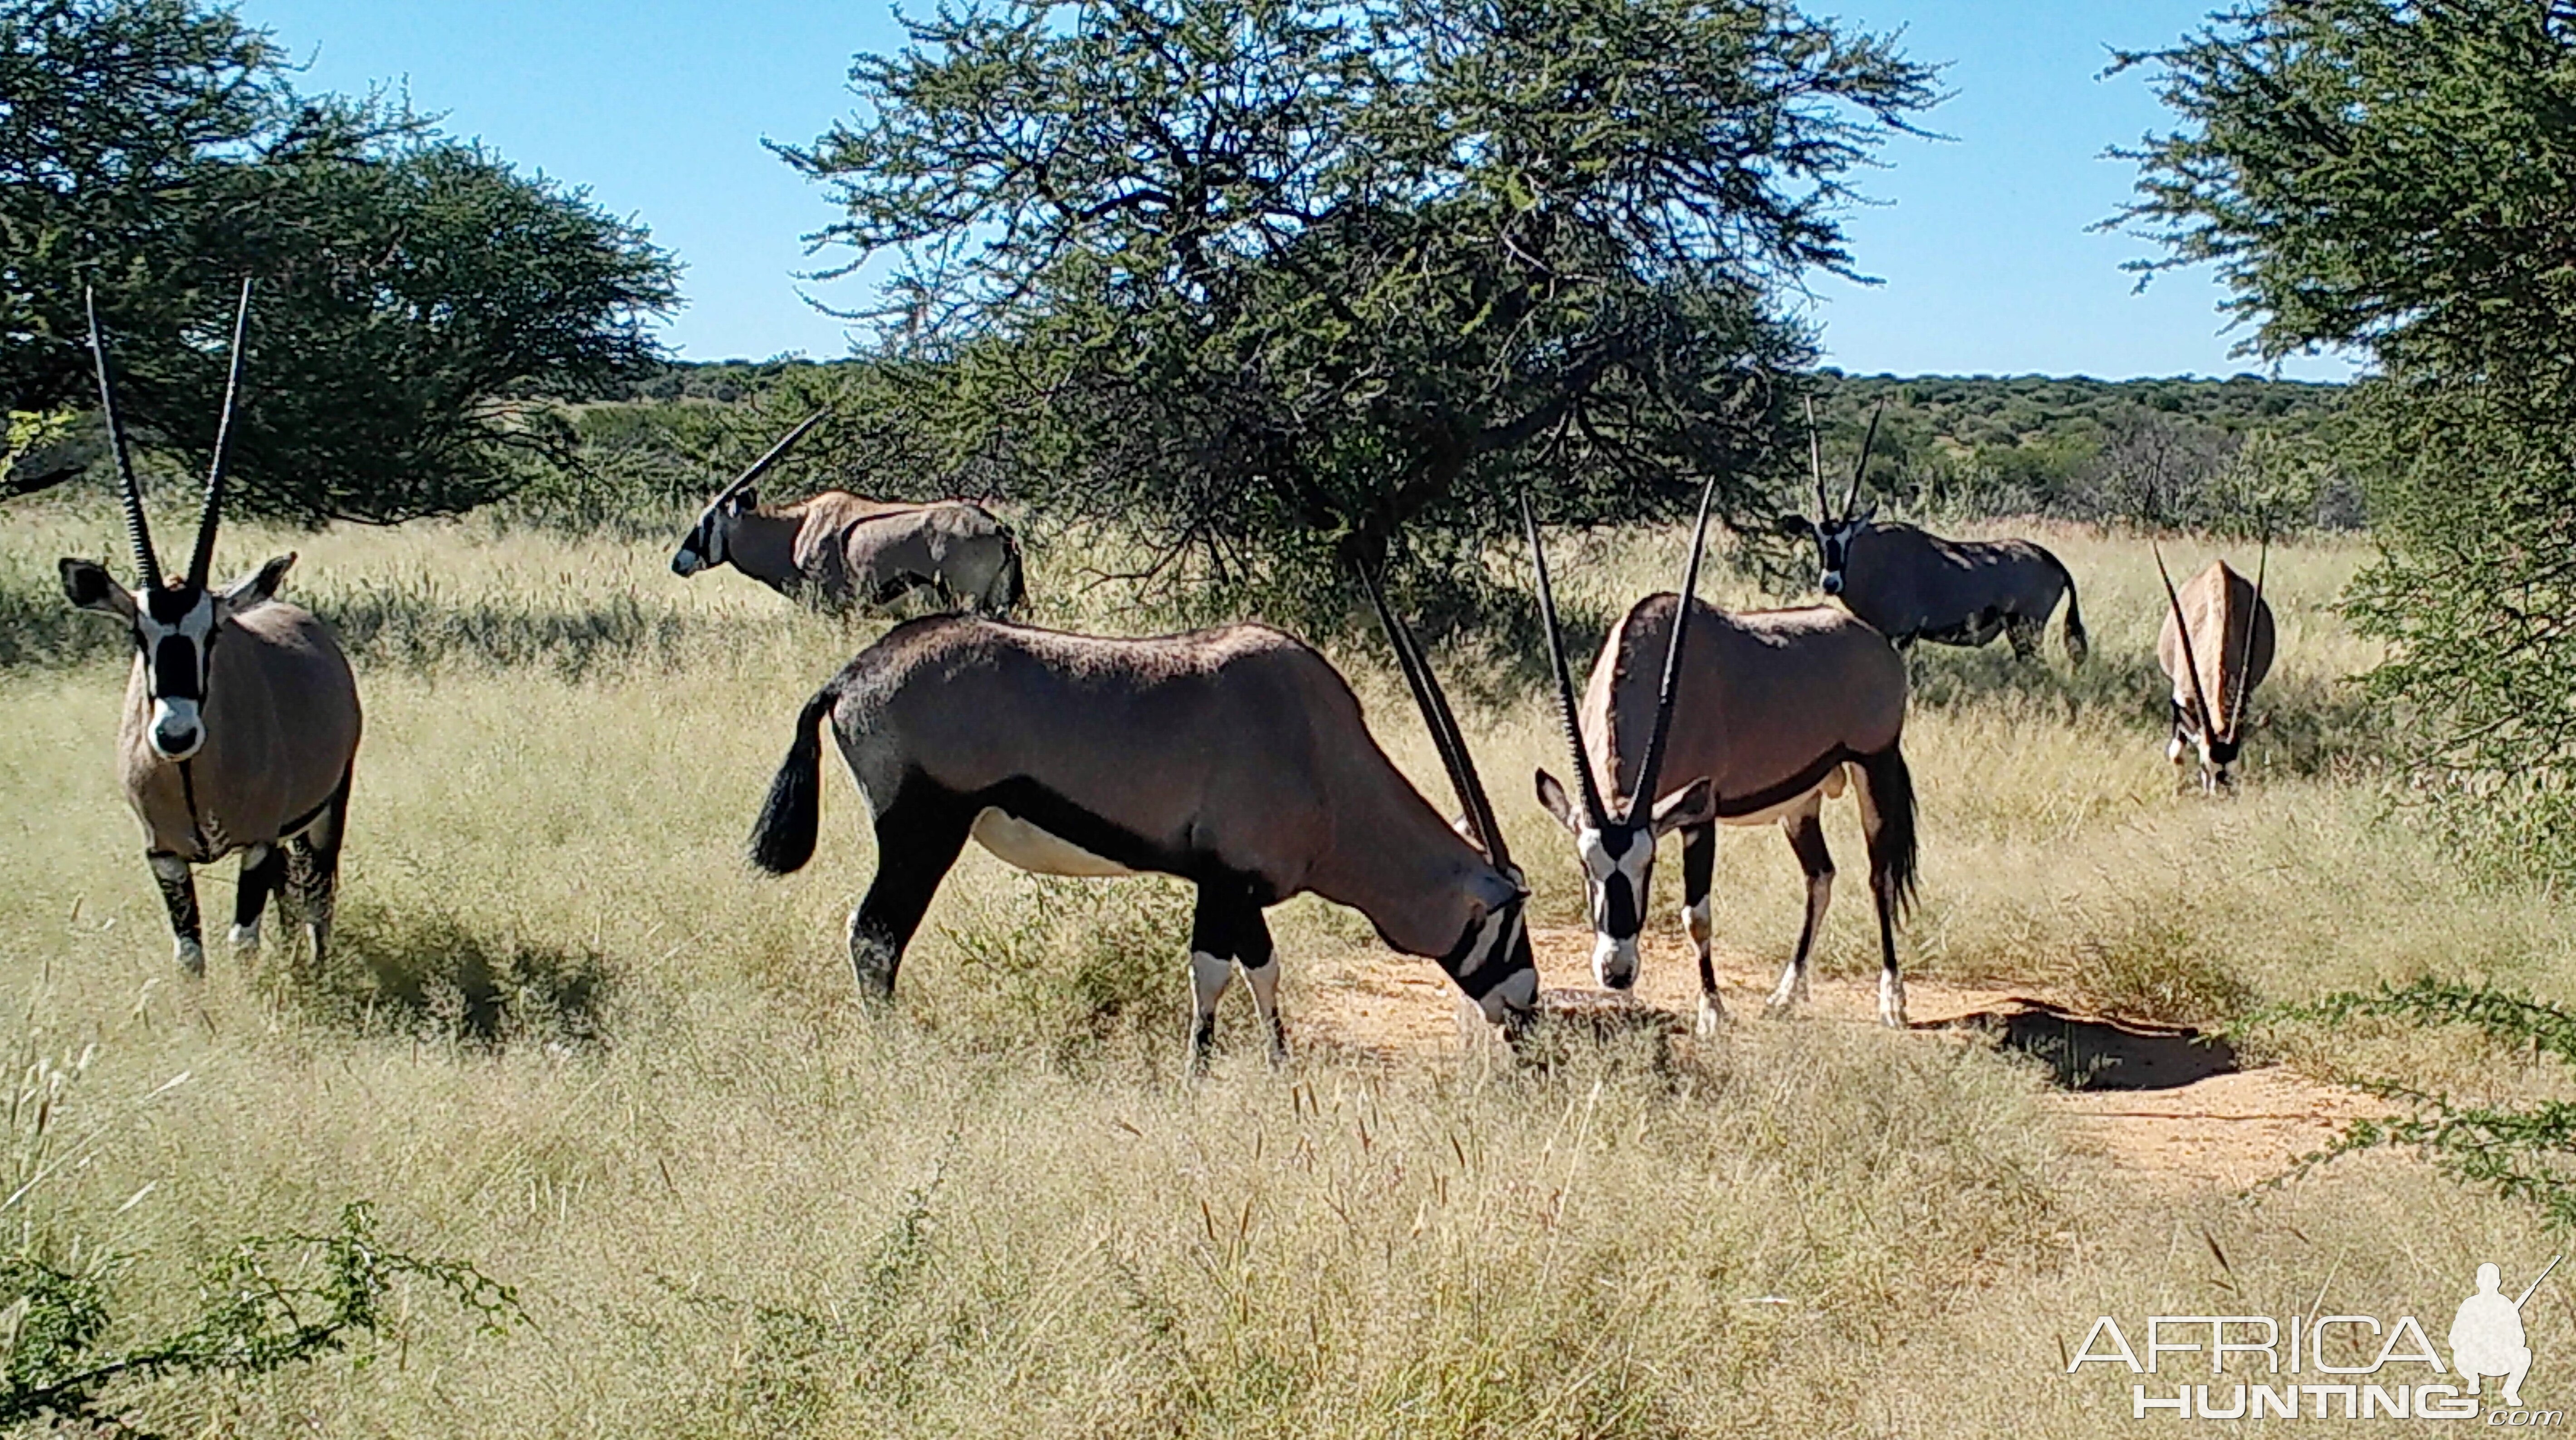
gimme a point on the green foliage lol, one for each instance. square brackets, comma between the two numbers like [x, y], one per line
[2305, 172]
[2519, 1150]
[1281, 285]
[416, 295]
[268, 1303]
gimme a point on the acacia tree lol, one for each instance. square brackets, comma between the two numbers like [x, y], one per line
[413, 293]
[1282, 284]
[2400, 176]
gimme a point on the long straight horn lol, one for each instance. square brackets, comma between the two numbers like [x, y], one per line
[1860, 467]
[1594, 812]
[1443, 726]
[2245, 659]
[761, 465]
[1816, 466]
[1641, 803]
[212, 516]
[136, 530]
[2182, 628]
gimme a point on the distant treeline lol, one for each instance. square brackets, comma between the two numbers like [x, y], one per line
[2228, 455]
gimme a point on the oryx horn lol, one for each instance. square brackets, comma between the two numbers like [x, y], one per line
[761, 465]
[2245, 660]
[1595, 814]
[1816, 466]
[136, 530]
[2182, 630]
[200, 562]
[1641, 804]
[1443, 725]
[1860, 467]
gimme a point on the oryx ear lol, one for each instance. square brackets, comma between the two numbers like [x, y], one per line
[1552, 799]
[1796, 527]
[88, 586]
[1693, 804]
[742, 501]
[257, 588]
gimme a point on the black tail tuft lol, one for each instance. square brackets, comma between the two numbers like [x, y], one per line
[782, 839]
[2077, 645]
[1895, 855]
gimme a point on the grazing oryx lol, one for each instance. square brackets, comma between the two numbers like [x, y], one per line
[842, 550]
[1766, 712]
[1912, 586]
[1235, 758]
[241, 721]
[2217, 632]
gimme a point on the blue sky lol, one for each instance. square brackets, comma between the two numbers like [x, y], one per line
[659, 107]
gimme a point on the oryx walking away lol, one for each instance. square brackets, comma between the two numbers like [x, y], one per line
[1766, 713]
[241, 720]
[1911, 585]
[1235, 758]
[840, 550]
[2215, 647]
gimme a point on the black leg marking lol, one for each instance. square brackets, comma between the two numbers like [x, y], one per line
[263, 871]
[1807, 841]
[2024, 635]
[1699, 867]
[1227, 929]
[179, 892]
[918, 838]
[1887, 820]
[314, 873]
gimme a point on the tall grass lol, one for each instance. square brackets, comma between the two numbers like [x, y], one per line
[570, 1038]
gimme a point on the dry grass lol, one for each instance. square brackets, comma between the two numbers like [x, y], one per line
[572, 1039]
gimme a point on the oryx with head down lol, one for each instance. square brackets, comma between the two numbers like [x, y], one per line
[1235, 758]
[839, 550]
[1763, 716]
[1912, 585]
[2215, 647]
[241, 720]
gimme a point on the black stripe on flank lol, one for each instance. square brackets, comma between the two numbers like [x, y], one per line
[1025, 799]
[1730, 806]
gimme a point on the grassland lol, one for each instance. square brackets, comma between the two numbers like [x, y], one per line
[571, 1039]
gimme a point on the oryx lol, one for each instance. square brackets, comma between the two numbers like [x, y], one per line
[1235, 758]
[1911, 585]
[2217, 641]
[241, 720]
[1766, 713]
[842, 550]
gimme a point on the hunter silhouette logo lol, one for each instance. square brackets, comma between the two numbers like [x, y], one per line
[2486, 1335]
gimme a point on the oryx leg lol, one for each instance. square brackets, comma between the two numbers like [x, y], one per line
[263, 870]
[1806, 832]
[1228, 930]
[314, 872]
[918, 839]
[179, 892]
[1699, 866]
[1887, 825]
[2023, 632]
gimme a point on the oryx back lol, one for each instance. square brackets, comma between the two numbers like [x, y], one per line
[952, 545]
[2222, 609]
[1914, 585]
[1771, 704]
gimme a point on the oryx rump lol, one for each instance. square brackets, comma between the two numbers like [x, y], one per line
[1912, 585]
[840, 550]
[2215, 646]
[241, 719]
[1235, 758]
[1762, 716]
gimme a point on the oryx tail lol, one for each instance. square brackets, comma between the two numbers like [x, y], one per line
[782, 839]
[2078, 644]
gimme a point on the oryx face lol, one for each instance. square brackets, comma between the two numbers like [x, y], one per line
[705, 544]
[1493, 961]
[1618, 867]
[1833, 546]
[175, 628]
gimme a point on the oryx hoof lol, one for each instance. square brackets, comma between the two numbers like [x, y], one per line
[191, 956]
[245, 940]
[1891, 1002]
[1712, 1017]
[1780, 1006]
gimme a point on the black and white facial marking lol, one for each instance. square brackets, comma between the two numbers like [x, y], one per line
[1494, 966]
[175, 628]
[704, 546]
[1833, 546]
[1619, 868]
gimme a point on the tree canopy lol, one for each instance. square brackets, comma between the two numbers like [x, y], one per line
[1283, 284]
[2400, 176]
[414, 293]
